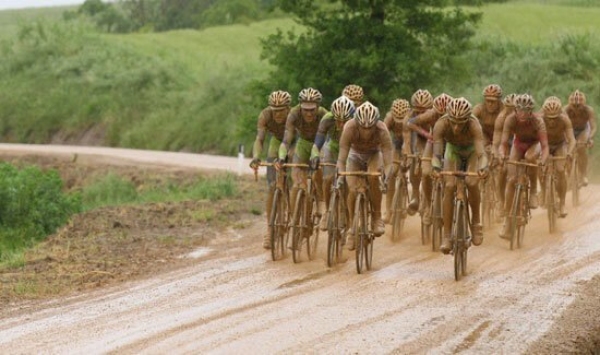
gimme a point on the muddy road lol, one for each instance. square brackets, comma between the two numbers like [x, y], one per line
[234, 299]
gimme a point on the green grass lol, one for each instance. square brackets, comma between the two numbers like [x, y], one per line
[10, 20]
[114, 190]
[536, 22]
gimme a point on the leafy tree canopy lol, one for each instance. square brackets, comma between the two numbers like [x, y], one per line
[389, 47]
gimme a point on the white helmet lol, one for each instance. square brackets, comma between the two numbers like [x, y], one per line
[342, 108]
[367, 114]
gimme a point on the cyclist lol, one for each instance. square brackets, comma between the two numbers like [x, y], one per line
[271, 120]
[561, 142]
[583, 119]
[304, 120]
[327, 146]
[530, 139]
[365, 141]
[487, 113]
[461, 134]
[394, 121]
[421, 124]
[509, 107]
[421, 101]
[354, 93]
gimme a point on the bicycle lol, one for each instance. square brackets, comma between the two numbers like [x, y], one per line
[280, 213]
[520, 214]
[305, 219]
[437, 218]
[461, 224]
[337, 224]
[488, 199]
[574, 179]
[551, 200]
[363, 221]
[399, 205]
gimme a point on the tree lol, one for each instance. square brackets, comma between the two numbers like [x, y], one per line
[390, 47]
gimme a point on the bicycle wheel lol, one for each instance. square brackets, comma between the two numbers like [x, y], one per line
[523, 218]
[360, 230]
[459, 236]
[369, 240]
[575, 182]
[399, 205]
[550, 201]
[313, 240]
[298, 226]
[436, 217]
[333, 231]
[514, 214]
[277, 227]
[425, 228]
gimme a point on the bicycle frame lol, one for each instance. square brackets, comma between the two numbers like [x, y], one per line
[551, 194]
[399, 205]
[520, 214]
[305, 219]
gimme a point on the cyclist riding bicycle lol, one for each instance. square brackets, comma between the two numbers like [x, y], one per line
[354, 93]
[327, 146]
[304, 120]
[561, 143]
[422, 124]
[271, 120]
[530, 140]
[461, 135]
[583, 119]
[501, 172]
[487, 113]
[421, 101]
[365, 141]
[395, 123]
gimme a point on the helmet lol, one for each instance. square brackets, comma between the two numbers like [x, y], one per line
[440, 103]
[353, 92]
[492, 90]
[553, 98]
[367, 114]
[421, 99]
[509, 100]
[400, 108]
[524, 102]
[309, 98]
[280, 99]
[459, 110]
[552, 107]
[342, 108]
[577, 98]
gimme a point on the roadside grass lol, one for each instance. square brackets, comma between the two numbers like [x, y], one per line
[115, 190]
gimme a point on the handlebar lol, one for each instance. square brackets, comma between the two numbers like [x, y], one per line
[359, 173]
[459, 173]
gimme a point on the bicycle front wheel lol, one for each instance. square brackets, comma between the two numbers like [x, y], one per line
[575, 182]
[277, 224]
[361, 232]
[436, 217]
[514, 214]
[333, 231]
[459, 235]
[313, 240]
[550, 201]
[298, 226]
[399, 206]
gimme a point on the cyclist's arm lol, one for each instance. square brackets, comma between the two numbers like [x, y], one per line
[569, 134]
[498, 126]
[261, 132]
[345, 141]
[506, 132]
[438, 143]
[593, 125]
[479, 143]
[415, 123]
[386, 146]
[288, 136]
[543, 138]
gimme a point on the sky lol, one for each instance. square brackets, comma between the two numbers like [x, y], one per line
[20, 4]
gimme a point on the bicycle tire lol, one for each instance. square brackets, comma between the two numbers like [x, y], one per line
[313, 240]
[425, 230]
[360, 230]
[333, 231]
[436, 218]
[514, 214]
[575, 182]
[399, 206]
[275, 222]
[523, 218]
[459, 236]
[298, 226]
[550, 201]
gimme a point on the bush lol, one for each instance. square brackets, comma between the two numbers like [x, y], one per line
[33, 205]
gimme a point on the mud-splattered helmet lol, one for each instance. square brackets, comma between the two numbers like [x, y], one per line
[400, 108]
[492, 91]
[459, 110]
[440, 103]
[524, 102]
[367, 114]
[354, 92]
[421, 99]
[552, 107]
[279, 100]
[342, 108]
[577, 98]
[309, 98]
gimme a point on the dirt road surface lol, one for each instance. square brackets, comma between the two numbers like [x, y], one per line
[234, 299]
